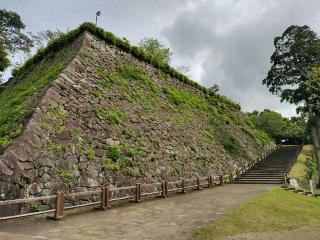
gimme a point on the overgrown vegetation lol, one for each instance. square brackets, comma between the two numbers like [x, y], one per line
[90, 153]
[20, 95]
[111, 116]
[113, 153]
[273, 211]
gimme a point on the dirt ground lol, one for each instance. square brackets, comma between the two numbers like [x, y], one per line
[172, 218]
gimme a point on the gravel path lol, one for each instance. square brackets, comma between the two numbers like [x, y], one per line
[172, 218]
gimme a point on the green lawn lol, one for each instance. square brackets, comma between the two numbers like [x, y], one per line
[300, 168]
[273, 211]
[305, 168]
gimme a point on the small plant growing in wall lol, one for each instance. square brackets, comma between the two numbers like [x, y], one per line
[90, 153]
[34, 207]
[113, 153]
[203, 160]
[229, 144]
[129, 152]
[65, 175]
[111, 116]
[110, 165]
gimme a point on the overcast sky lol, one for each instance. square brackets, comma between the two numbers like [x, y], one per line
[226, 42]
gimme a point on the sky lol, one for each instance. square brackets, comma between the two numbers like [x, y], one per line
[224, 42]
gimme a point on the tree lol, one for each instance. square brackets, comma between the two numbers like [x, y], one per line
[280, 129]
[295, 75]
[12, 39]
[41, 39]
[156, 49]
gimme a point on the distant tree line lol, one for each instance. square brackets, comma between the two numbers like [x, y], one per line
[282, 130]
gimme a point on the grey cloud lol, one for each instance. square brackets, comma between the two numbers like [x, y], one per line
[228, 42]
[237, 37]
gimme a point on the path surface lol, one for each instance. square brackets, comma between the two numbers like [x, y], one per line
[172, 218]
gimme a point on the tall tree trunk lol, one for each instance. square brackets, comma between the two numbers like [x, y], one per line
[315, 133]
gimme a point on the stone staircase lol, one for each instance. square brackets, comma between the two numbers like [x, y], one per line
[270, 170]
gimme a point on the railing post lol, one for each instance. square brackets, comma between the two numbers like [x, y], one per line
[221, 179]
[231, 178]
[166, 188]
[59, 206]
[163, 189]
[103, 199]
[210, 181]
[107, 197]
[198, 184]
[138, 193]
[183, 190]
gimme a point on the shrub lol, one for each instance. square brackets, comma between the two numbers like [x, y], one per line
[203, 160]
[133, 171]
[229, 144]
[129, 152]
[34, 207]
[110, 165]
[90, 153]
[113, 153]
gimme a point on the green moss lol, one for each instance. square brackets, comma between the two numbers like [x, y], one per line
[113, 153]
[230, 144]
[257, 134]
[111, 165]
[20, 96]
[90, 153]
[129, 152]
[111, 116]
[179, 97]
[203, 160]
[106, 78]
[133, 171]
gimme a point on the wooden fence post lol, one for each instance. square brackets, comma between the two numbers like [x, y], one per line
[138, 193]
[163, 189]
[221, 179]
[183, 190]
[59, 206]
[103, 199]
[231, 178]
[210, 181]
[107, 197]
[198, 184]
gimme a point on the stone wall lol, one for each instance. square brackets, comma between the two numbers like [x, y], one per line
[95, 125]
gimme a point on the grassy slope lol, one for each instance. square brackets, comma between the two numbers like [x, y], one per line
[273, 211]
[305, 167]
[18, 99]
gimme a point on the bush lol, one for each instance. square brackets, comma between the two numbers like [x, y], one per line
[229, 144]
[113, 153]
[90, 153]
[110, 165]
[34, 207]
